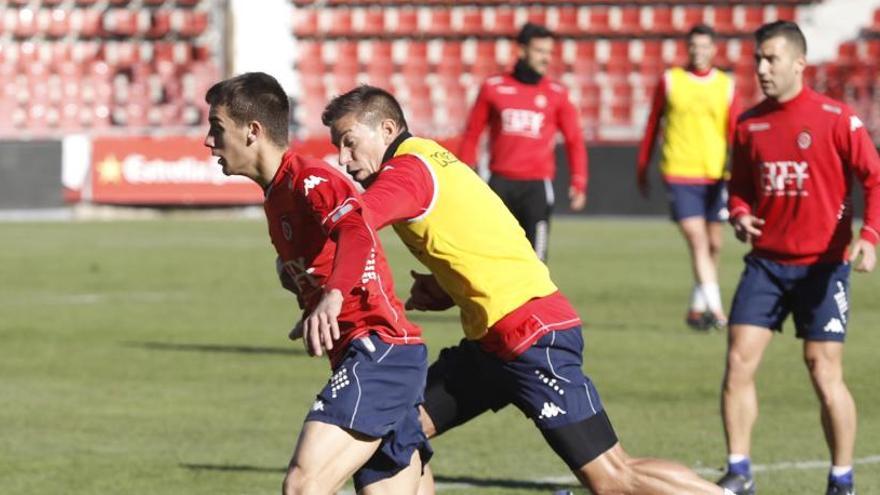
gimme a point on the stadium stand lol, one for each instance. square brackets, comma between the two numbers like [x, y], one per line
[131, 66]
[105, 66]
[610, 54]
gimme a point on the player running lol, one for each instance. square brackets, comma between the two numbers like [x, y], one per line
[795, 155]
[524, 110]
[523, 340]
[698, 107]
[365, 422]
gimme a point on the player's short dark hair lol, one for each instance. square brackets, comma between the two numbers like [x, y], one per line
[369, 104]
[254, 96]
[701, 30]
[530, 31]
[786, 29]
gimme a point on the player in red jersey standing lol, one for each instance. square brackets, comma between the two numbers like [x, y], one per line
[795, 155]
[365, 422]
[524, 109]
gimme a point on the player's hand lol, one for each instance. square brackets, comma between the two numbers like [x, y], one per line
[868, 254]
[320, 328]
[747, 227]
[644, 186]
[578, 199]
[426, 294]
[284, 277]
[297, 331]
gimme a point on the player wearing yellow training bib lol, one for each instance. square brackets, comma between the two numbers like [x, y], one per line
[697, 106]
[523, 340]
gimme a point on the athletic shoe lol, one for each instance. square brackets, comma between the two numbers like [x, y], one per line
[737, 483]
[697, 320]
[835, 488]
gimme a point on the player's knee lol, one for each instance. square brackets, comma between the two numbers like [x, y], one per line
[298, 482]
[825, 374]
[619, 481]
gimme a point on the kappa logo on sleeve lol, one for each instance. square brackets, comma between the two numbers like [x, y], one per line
[312, 182]
[854, 123]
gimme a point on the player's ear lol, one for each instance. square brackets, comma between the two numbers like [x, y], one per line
[389, 129]
[254, 131]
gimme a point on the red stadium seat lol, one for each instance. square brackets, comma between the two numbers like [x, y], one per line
[599, 20]
[630, 19]
[22, 23]
[661, 20]
[440, 21]
[753, 17]
[722, 19]
[537, 14]
[85, 22]
[54, 23]
[371, 21]
[123, 22]
[467, 20]
[305, 22]
[407, 20]
[504, 22]
[340, 22]
[567, 23]
[189, 23]
[688, 17]
[785, 12]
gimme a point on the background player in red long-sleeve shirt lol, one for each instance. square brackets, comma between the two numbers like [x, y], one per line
[365, 422]
[697, 106]
[795, 155]
[524, 109]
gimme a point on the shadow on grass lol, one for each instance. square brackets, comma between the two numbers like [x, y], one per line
[233, 349]
[453, 480]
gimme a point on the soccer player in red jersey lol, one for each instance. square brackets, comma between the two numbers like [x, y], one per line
[523, 342]
[524, 110]
[697, 107]
[365, 422]
[795, 157]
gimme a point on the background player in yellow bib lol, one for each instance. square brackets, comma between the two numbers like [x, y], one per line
[698, 107]
[523, 340]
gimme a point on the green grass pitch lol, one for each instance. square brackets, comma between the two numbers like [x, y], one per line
[151, 357]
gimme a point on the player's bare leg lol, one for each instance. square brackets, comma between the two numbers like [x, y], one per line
[704, 243]
[426, 482]
[615, 472]
[715, 231]
[325, 457]
[404, 481]
[825, 363]
[739, 398]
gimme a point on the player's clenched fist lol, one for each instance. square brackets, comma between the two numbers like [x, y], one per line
[426, 294]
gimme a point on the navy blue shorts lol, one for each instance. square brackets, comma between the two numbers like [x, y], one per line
[816, 295]
[376, 390]
[546, 383]
[707, 201]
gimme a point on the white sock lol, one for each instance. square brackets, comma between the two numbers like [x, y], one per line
[735, 458]
[840, 470]
[698, 301]
[712, 293]
[728, 492]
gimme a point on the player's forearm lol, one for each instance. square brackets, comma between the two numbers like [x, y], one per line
[354, 246]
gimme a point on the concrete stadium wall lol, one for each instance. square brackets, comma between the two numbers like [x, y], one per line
[30, 174]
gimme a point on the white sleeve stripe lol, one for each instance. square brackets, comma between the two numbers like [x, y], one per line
[434, 194]
[869, 229]
[340, 211]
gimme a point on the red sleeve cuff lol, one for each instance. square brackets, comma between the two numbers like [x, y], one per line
[739, 211]
[870, 235]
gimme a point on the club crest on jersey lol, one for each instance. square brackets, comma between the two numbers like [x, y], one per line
[312, 182]
[541, 101]
[286, 229]
[804, 139]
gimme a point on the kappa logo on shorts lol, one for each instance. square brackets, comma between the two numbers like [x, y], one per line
[551, 410]
[840, 300]
[318, 405]
[834, 326]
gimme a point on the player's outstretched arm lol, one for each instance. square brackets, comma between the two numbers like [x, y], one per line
[863, 256]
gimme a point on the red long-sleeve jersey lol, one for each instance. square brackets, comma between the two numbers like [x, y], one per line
[793, 165]
[317, 226]
[523, 120]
